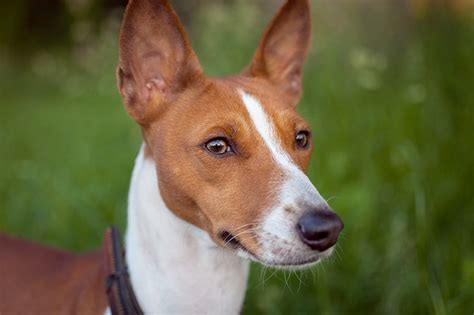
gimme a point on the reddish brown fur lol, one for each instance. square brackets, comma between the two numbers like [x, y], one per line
[40, 280]
[165, 91]
[222, 183]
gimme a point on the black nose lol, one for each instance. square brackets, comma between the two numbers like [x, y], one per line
[319, 229]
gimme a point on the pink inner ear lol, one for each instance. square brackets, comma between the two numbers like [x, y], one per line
[156, 59]
[156, 84]
[295, 85]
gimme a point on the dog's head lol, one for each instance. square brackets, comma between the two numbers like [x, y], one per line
[230, 153]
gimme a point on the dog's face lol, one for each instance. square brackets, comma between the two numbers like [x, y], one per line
[230, 153]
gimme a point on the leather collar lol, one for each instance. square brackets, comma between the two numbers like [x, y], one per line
[120, 295]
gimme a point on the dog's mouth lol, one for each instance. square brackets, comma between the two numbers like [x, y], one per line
[231, 241]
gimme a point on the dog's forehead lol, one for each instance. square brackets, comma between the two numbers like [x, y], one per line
[225, 97]
[221, 97]
[270, 97]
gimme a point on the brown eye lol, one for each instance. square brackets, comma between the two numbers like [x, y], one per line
[218, 146]
[302, 139]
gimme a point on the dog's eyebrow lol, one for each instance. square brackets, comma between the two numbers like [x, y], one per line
[227, 129]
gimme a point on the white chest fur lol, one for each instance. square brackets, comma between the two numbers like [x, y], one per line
[175, 268]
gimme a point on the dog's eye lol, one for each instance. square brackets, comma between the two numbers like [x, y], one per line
[218, 146]
[302, 139]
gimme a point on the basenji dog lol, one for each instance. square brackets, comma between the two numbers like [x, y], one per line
[219, 180]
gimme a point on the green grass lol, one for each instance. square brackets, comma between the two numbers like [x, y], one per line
[393, 122]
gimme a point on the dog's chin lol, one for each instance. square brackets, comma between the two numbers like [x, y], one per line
[288, 264]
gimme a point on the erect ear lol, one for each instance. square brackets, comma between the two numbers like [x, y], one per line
[282, 49]
[156, 61]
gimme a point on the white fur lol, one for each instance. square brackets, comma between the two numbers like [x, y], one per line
[278, 228]
[175, 267]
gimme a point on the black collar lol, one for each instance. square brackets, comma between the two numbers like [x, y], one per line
[120, 295]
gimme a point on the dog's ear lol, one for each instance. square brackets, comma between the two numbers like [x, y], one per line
[282, 50]
[156, 60]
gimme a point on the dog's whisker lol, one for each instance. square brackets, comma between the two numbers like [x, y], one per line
[234, 237]
[245, 225]
[331, 198]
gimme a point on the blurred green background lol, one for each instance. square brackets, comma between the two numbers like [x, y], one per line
[389, 92]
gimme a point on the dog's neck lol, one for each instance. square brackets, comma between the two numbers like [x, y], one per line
[175, 266]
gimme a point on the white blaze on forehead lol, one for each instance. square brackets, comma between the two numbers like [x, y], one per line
[266, 130]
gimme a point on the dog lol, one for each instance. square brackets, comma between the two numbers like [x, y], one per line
[219, 181]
